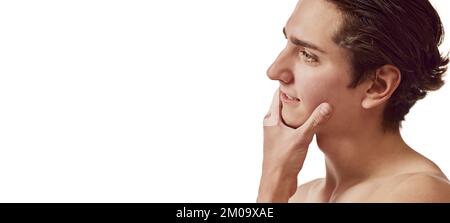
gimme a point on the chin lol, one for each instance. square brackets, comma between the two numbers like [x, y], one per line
[291, 120]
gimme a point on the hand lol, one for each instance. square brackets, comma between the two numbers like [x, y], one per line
[285, 151]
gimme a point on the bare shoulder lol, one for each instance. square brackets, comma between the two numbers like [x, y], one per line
[416, 187]
[304, 191]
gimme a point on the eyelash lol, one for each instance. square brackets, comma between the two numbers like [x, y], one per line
[309, 58]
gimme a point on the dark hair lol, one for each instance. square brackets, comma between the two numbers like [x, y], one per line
[402, 33]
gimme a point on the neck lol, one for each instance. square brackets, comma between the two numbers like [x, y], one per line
[358, 156]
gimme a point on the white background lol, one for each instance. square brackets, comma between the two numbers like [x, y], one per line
[152, 101]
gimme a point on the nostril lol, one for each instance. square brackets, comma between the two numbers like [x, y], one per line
[286, 77]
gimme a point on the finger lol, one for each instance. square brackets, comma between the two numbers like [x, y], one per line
[320, 115]
[273, 116]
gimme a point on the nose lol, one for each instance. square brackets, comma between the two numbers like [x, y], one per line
[281, 68]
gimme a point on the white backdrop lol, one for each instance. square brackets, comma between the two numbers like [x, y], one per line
[152, 101]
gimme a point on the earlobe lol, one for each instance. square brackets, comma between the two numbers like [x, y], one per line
[381, 87]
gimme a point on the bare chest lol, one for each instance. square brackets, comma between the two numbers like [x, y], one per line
[369, 192]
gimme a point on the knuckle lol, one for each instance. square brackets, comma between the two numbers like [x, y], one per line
[315, 121]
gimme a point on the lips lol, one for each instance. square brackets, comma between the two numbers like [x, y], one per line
[288, 99]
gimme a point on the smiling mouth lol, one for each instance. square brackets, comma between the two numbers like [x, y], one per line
[288, 99]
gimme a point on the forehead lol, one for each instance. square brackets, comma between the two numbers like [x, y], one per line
[315, 21]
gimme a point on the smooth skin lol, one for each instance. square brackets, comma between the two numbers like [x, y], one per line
[363, 163]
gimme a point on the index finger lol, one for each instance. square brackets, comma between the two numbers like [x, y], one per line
[273, 116]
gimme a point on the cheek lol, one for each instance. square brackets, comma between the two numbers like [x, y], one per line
[314, 86]
[319, 88]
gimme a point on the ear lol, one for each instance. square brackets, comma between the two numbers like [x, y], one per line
[382, 86]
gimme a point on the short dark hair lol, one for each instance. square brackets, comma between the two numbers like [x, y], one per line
[402, 33]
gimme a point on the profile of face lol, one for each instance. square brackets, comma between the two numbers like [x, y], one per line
[313, 69]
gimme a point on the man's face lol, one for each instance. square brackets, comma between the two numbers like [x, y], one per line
[312, 68]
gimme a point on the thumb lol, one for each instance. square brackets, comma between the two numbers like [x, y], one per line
[321, 114]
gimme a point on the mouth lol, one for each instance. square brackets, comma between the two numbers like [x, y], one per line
[287, 99]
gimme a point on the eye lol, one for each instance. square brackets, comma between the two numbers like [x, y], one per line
[307, 57]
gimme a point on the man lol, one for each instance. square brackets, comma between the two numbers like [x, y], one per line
[349, 74]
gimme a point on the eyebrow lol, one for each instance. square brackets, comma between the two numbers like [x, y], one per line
[302, 43]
